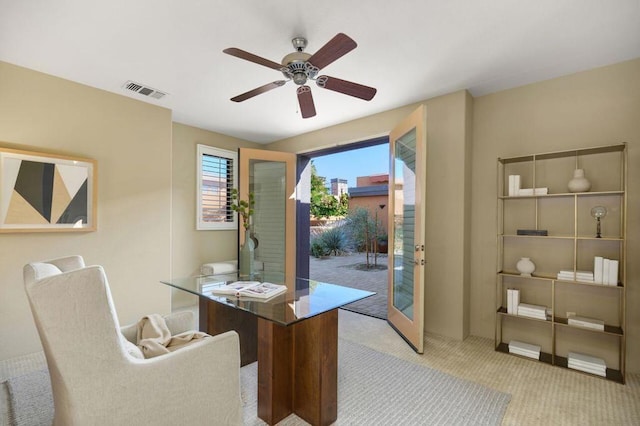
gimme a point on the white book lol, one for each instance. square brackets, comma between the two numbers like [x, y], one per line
[512, 181]
[533, 191]
[598, 372]
[515, 300]
[566, 277]
[516, 185]
[605, 271]
[530, 315]
[524, 349]
[584, 274]
[516, 344]
[586, 365]
[592, 367]
[509, 301]
[257, 289]
[530, 307]
[593, 323]
[613, 272]
[586, 359]
[541, 191]
[598, 262]
[525, 353]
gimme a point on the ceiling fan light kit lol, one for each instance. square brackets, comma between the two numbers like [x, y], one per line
[300, 67]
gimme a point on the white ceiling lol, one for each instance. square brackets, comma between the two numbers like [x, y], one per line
[410, 50]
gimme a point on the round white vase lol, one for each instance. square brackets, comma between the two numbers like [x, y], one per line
[525, 266]
[579, 183]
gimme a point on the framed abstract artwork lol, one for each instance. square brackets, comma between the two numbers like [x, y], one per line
[46, 193]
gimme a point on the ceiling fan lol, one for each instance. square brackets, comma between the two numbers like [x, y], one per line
[301, 67]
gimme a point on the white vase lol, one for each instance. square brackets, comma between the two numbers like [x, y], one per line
[525, 266]
[579, 183]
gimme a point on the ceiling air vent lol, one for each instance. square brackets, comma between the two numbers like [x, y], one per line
[143, 90]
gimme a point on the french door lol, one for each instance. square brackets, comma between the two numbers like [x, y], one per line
[271, 177]
[407, 194]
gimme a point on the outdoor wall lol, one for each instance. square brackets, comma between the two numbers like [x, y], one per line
[592, 108]
[448, 167]
[131, 141]
[372, 204]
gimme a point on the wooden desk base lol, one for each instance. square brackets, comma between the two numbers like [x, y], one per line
[297, 364]
[298, 370]
[216, 318]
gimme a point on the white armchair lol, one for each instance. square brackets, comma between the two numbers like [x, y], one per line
[96, 381]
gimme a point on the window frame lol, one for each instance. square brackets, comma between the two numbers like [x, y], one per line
[203, 150]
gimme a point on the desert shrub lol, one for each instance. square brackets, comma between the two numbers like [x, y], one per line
[334, 240]
[317, 247]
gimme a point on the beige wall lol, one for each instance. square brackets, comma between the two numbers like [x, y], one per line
[191, 248]
[592, 108]
[448, 168]
[131, 142]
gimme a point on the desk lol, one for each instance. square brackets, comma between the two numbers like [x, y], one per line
[293, 336]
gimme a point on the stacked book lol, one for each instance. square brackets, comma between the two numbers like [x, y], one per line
[594, 324]
[569, 275]
[513, 300]
[532, 191]
[532, 311]
[515, 190]
[605, 271]
[524, 349]
[588, 364]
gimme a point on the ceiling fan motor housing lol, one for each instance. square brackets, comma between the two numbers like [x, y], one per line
[296, 67]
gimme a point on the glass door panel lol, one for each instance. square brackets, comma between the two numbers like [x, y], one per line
[404, 222]
[405, 308]
[270, 176]
[268, 229]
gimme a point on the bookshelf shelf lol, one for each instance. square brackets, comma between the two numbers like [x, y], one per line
[608, 329]
[570, 245]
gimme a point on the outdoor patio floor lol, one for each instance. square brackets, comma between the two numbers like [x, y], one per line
[343, 270]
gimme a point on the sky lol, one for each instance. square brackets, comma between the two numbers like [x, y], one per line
[349, 165]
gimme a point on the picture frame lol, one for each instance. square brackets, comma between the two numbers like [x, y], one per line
[42, 192]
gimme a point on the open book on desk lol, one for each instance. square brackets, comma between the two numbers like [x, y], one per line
[257, 289]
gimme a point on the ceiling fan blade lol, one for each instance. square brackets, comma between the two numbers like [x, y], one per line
[239, 53]
[335, 48]
[347, 87]
[258, 91]
[305, 99]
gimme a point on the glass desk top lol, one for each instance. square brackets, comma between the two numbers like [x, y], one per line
[309, 298]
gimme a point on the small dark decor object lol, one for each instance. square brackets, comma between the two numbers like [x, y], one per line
[598, 213]
[536, 232]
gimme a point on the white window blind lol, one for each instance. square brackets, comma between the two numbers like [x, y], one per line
[217, 176]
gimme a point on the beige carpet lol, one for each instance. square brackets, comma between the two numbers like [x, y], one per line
[540, 394]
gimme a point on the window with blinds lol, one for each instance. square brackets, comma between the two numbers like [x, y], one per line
[217, 176]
